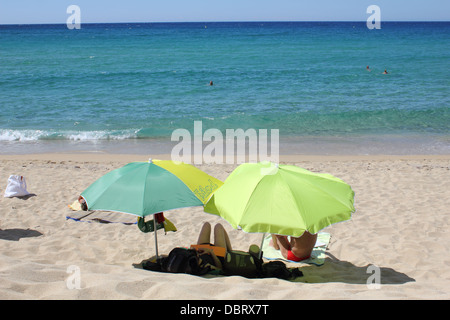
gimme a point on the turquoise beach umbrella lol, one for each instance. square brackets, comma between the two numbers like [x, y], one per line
[146, 188]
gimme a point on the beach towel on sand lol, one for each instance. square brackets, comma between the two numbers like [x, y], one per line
[115, 217]
[98, 216]
[317, 255]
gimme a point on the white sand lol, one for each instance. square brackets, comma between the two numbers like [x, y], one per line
[401, 226]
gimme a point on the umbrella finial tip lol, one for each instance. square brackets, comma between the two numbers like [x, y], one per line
[150, 160]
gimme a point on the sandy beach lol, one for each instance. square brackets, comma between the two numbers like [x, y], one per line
[400, 226]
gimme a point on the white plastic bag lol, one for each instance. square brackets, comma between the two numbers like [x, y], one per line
[17, 187]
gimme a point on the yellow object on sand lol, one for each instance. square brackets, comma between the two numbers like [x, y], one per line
[169, 226]
[218, 251]
[75, 206]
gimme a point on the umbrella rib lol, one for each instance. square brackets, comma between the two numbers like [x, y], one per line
[174, 176]
[331, 220]
[251, 194]
[317, 188]
[137, 215]
[302, 209]
[331, 195]
[324, 190]
[184, 183]
[145, 188]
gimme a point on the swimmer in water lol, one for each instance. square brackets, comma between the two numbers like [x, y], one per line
[385, 71]
[368, 69]
[211, 83]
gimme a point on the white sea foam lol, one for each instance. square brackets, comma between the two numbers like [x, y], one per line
[20, 135]
[102, 135]
[35, 135]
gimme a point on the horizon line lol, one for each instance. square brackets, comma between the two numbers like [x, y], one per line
[225, 21]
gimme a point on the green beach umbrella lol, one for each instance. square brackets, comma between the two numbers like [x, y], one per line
[281, 199]
[146, 188]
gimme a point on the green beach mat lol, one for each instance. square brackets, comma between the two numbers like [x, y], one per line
[317, 255]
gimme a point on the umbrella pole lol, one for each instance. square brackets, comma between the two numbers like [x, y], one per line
[156, 237]
[260, 247]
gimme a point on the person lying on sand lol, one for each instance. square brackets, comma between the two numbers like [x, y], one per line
[221, 239]
[82, 203]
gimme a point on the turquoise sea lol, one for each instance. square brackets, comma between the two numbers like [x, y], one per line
[124, 88]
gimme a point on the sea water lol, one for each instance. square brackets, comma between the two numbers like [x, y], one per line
[125, 88]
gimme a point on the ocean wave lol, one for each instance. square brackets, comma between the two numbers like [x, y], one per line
[35, 135]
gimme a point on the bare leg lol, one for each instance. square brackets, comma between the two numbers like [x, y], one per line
[205, 234]
[274, 242]
[221, 238]
[283, 244]
[303, 246]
